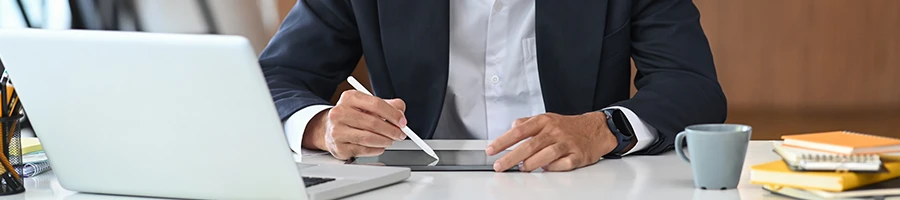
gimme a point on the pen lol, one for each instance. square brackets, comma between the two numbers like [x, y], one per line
[409, 133]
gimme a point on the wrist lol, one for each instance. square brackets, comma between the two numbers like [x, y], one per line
[314, 133]
[606, 139]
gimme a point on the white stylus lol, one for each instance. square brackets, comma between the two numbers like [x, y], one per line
[409, 133]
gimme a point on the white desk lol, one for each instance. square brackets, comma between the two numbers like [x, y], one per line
[635, 177]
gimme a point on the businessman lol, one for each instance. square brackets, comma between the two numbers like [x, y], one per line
[553, 75]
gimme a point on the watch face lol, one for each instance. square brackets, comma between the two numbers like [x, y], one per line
[622, 123]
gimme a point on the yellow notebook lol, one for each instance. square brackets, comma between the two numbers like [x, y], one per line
[31, 145]
[778, 173]
[843, 142]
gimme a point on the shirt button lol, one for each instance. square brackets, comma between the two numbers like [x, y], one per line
[498, 6]
[495, 79]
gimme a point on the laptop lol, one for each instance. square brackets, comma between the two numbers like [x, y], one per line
[165, 115]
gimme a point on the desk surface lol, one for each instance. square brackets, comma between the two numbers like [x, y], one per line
[636, 177]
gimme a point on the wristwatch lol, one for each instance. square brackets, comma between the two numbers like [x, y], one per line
[620, 127]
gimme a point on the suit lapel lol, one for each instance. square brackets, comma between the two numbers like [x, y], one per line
[415, 39]
[569, 38]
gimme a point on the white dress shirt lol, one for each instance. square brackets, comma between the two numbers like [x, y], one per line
[493, 78]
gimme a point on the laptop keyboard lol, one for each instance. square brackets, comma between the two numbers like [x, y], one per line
[311, 181]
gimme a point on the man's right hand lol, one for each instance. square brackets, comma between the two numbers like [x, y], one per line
[359, 125]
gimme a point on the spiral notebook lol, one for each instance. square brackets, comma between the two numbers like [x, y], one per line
[33, 169]
[799, 159]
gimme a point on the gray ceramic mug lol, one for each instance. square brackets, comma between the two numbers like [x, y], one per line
[717, 153]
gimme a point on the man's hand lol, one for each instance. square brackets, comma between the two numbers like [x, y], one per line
[558, 142]
[359, 125]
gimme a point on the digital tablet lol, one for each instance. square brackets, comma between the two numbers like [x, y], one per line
[451, 160]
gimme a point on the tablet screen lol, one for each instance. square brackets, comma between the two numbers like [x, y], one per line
[451, 160]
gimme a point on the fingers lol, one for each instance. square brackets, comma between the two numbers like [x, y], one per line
[363, 138]
[374, 105]
[363, 125]
[397, 103]
[520, 153]
[567, 163]
[517, 133]
[360, 120]
[520, 121]
[544, 157]
[350, 142]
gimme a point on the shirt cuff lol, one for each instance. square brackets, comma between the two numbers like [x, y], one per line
[645, 133]
[296, 125]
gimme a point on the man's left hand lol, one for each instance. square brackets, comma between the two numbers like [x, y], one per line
[558, 142]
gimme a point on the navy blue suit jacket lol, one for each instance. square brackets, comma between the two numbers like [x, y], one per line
[583, 50]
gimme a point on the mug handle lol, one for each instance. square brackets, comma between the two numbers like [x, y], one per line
[679, 146]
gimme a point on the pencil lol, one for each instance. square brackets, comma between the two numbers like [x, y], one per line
[12, 115]
[11, 96]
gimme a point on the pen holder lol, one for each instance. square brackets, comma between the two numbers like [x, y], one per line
[11, 115]
[11, 182]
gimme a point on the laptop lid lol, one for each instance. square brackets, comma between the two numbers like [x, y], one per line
[165, 115]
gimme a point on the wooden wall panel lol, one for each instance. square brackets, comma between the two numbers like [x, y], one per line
[793, 66]
[284, 7]
[806, 54]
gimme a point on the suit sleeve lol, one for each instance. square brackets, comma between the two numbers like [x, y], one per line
[314, 50]
[676, 78]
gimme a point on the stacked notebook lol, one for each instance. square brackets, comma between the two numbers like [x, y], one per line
[832, 165]
[34, 159]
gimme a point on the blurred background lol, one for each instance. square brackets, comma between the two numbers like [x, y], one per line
[787, 66]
